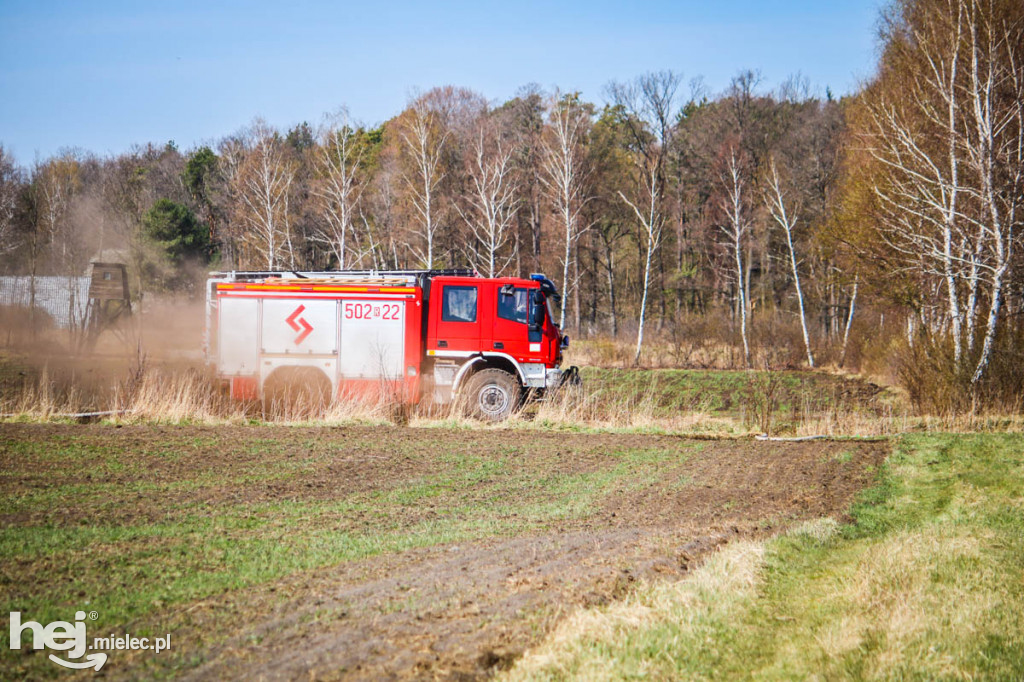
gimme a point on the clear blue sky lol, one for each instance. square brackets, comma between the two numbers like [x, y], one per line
[102, 75]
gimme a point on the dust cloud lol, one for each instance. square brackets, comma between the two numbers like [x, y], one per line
[76, 370]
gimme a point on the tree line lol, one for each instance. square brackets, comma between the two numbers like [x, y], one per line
[753, 225]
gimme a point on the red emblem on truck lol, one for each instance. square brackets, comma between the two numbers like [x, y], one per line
[297, 323]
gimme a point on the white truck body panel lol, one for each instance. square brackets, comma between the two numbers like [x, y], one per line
[347, 336]
[238, 324]
[305, 327]
[372, 339]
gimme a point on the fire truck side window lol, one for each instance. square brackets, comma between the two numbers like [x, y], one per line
[459, 304]
[513, 306]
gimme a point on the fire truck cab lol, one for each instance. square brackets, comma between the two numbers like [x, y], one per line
[439, 336]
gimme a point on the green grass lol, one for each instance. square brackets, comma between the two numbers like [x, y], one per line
[927, 583]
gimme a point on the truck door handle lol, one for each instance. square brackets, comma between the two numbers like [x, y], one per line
[499, 345]
[442, 344]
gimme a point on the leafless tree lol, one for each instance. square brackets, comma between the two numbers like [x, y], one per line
[920, 198]
[10, 184]
[491, 202]
[995, 149]
[424, 133]
[564, 176]
[263, 187]
[338, 162]
[377, 213]
[952, 146]
[776, 201]
[649, 105]
[55, 182]
[735, 228]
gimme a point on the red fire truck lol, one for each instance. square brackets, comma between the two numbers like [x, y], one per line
[439, 335]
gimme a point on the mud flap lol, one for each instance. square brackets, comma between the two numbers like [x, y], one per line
[571, 377]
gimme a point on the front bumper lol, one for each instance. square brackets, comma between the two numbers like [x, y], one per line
[553, 377]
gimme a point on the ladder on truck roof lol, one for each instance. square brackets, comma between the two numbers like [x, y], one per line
[329, 275]
[420, 277]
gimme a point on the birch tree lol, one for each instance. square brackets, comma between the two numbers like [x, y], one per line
[231, 152]
[491, 203]
[649, 107]
[424, 135]
[919, 196]
[55, 183]
[849, 321]
[948, 137]
[735, 227]
[264, 185]
[10, 184]
[378, 213]
[338, 162]
[995, 148]
[786, 219]
[564, 176]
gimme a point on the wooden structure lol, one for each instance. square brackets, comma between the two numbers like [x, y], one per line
[109, 299]
[108, 282]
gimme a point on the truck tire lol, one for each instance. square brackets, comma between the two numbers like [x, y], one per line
[492, 395]
[296, 391]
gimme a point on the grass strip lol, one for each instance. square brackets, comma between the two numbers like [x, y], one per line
[925, 584]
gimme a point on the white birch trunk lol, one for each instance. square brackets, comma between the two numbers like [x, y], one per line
[735, 228]
[424, 142]
[564, 177]
[777, 207]
[849, 323]
[651, 222]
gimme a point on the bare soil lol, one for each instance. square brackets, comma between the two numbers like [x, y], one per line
[449, 611]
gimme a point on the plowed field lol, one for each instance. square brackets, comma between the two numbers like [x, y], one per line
[376, 553]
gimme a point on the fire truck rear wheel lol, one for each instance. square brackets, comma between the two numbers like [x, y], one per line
[296, 388]
[492, 395]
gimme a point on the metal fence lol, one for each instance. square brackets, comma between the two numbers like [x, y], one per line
[64, 299]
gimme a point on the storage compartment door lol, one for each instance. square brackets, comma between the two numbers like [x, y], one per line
[237, 337]
[372, 339]
[300, 326]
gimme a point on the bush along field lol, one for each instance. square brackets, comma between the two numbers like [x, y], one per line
[926, 582]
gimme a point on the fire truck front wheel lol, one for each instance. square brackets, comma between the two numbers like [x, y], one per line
[492, 395]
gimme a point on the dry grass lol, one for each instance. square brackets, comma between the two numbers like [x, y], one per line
[658, 353]
[616, 400]
[173, 396]
[42, 399]
[925, 585]
[892, 600]
[576, 407]
[601, 644]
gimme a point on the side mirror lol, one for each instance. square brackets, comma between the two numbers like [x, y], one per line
[537, 312]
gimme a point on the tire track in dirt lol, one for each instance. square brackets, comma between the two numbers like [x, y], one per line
[461, 611]
[449, 611]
